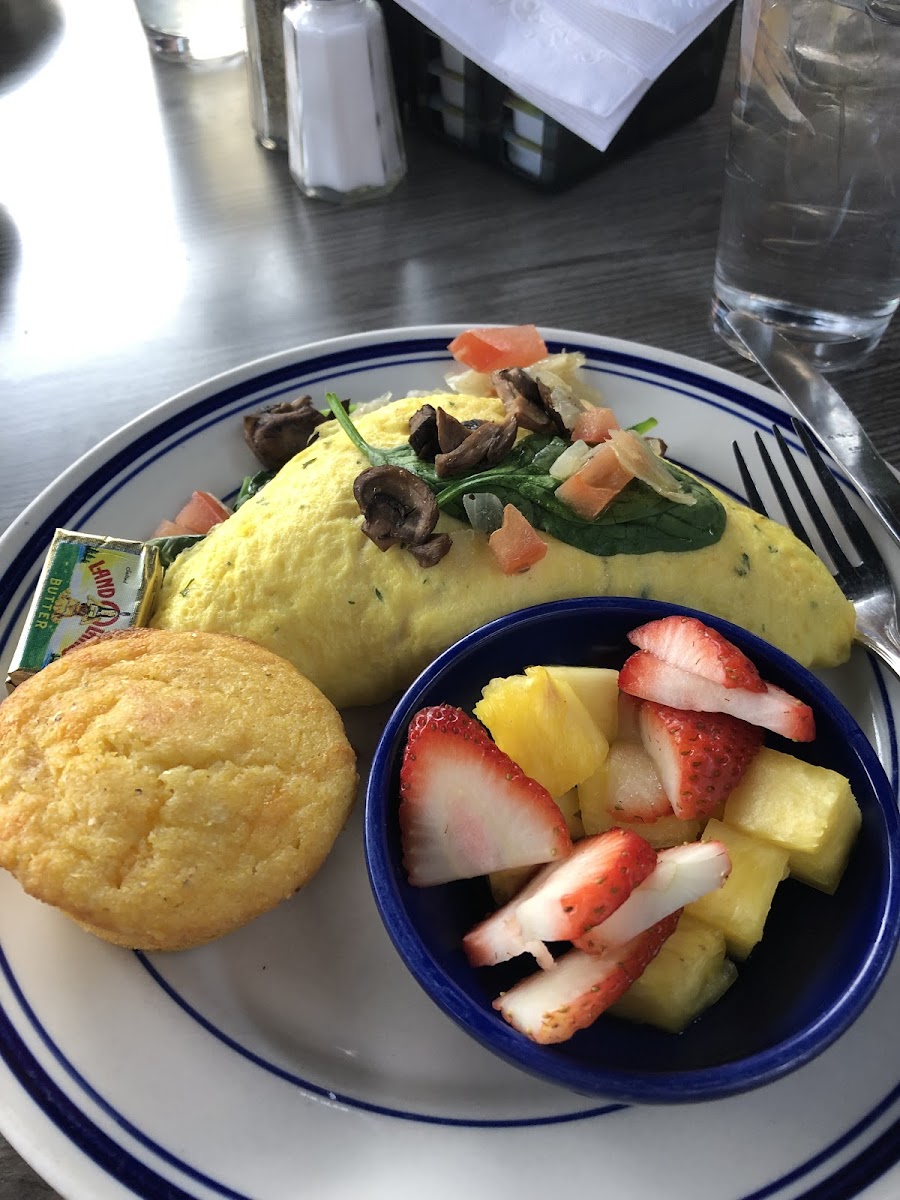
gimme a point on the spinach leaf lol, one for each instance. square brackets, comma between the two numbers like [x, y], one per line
[643, 427]
[251, 485]
[170, 547]
[398, 456]
[638, 521]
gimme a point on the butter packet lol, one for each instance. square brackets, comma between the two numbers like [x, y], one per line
[88, 586]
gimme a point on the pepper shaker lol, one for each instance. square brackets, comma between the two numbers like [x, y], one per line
[344, 139]
[265, 71]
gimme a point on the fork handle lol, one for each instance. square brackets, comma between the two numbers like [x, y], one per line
[884, 643]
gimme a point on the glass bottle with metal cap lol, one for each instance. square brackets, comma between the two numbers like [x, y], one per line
[344, 139]
[265, 71]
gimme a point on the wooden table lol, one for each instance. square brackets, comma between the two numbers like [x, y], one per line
[147, 242]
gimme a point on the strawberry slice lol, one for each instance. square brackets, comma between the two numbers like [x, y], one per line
[587, 886]
[564, 899]
[550, 1006]
[682, 874]
[499, 937]
[687, 643]
[466, 809]
[649, 677]
[699, 757]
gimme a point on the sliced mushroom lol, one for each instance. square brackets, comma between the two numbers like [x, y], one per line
[521, 397]
[423, 433]
[432, 550]
[399, 507]
[484, 446]
[559, 401]
[277, 433]
[451, 433]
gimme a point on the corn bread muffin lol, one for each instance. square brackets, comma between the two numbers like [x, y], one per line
[163, 788]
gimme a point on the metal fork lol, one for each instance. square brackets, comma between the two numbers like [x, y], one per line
[866, 584]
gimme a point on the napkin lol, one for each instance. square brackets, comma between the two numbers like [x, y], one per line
[586, 63]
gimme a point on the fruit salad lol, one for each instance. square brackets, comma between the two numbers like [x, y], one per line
[632, 824]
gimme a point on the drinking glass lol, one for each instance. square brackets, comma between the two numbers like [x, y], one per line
[810, 228]
[193, 31]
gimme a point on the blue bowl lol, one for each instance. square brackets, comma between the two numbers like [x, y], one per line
[810, 977]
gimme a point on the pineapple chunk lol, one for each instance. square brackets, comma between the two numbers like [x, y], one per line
[666, 831]
[592, 797]
[570, 808]
[598, 690]
[807, 810]
[634, 790]
[628, 728]
[718, 983]
[505, 884]
[543, 726]
[740, 907]
[597, 815]
[689, 973]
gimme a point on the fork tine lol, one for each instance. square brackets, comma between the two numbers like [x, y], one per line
[795, 525]
[754, 499]
[819, 519]
[856, 530]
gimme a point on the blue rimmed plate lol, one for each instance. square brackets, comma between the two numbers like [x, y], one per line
[297, 1057]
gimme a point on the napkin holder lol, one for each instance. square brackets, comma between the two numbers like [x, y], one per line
[453, 99]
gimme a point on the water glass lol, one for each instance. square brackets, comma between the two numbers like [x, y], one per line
[810, 229]
[193, 31]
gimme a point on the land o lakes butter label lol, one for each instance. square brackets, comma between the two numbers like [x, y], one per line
[89, 586]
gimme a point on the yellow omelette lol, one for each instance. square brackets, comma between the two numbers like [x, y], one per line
[292, 571]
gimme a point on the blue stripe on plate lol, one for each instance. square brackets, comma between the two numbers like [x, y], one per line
[382, 1110]
[94, 491]
[77, 1126]
[862, 1170]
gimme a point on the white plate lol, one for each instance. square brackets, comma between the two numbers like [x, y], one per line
[296, 1057]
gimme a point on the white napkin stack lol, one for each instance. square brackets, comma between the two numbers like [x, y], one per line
[586, 63]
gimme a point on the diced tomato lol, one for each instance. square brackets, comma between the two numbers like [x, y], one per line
[201, 512]
[489, 350]
[515, 544]
[603, 469]
[587, 501]
[170, 529]
[594, 425]
[599, 481]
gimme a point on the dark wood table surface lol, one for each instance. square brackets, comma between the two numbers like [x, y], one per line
[147, 242]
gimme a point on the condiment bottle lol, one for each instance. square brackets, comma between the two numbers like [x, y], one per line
[265, 71]
[344, 139]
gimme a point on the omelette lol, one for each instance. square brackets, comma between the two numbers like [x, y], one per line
[292, 570]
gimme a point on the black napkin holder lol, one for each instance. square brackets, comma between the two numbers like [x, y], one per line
[453, 99]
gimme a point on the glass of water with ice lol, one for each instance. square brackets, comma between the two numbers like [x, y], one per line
[193, 31]
[810, 229]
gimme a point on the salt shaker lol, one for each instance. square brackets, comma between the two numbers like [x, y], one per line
[344, 139]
